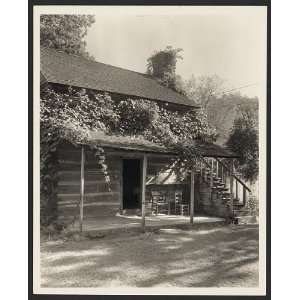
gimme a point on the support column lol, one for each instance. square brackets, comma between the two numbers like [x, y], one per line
[121, 188]
[211, 178]
[244, 196]
[231, 186]
[211, 173]
[144, 174]
[201, 172]
[222, 173]
[192, 204]
[81, 189]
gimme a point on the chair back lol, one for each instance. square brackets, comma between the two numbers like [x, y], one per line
[178, 197]
[158, 197]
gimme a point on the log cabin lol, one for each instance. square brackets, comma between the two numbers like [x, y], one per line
[142, 180]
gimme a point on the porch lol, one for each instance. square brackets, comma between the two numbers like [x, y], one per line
[132, 222]
[143, 182]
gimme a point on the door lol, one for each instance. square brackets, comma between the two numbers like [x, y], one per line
[131, 184]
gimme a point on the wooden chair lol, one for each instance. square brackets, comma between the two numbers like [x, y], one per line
[180, 207]
[159, 202]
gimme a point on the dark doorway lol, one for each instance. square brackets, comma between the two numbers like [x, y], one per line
[131, 183]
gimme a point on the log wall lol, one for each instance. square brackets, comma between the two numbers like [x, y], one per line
[100, 199]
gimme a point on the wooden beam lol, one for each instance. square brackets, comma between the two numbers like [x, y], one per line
[240, 181]
[244, 196]
[211, 184]
[144, 174]
[192, 204]
[137, 154]
[236, 189]
[231, 185]
[201, 172]
[81, 189]
[211, 173]
[121, 188]
[222, 174]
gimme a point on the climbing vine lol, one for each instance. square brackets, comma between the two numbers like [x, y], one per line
[70, 114]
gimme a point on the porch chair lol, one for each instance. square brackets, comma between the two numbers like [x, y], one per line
[180, 207]
[159, 202]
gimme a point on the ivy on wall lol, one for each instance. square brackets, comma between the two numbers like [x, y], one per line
[69, 114]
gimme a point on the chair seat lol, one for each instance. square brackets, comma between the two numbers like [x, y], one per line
[182, 208]
[159, 202]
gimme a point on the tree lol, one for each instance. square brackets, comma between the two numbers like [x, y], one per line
[65, 32]
[162, 66]
[204, 88]
[243, 140]
[223, 110]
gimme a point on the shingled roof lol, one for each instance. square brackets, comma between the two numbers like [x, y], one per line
[127, 143]
[61, 68]
[141, 145]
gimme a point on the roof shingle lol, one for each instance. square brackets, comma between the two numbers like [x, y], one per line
[142, 145]
[61, 68]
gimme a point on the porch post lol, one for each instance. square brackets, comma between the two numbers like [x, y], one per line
[201, 169]
[192, 197]
[211, 178]
[211, 173]
[81, 188]
[244, 196]
[231, 185]
[144, 174]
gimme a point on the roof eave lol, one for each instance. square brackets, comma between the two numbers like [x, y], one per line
[192, 106]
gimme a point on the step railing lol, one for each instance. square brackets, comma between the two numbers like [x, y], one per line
[238, 183]
[219, 170]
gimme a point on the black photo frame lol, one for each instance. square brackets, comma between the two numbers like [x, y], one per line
[31, 53]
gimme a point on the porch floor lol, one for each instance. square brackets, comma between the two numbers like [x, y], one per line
[126, 222]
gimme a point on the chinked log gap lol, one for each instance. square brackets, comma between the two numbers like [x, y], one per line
[81, 189]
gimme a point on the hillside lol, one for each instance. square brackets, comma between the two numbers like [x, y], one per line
[222, 112]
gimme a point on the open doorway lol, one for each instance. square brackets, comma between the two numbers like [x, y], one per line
[131, 184]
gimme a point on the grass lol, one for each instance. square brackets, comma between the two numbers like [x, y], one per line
[214, 257]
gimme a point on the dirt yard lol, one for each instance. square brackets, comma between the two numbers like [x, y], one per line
[214, 257]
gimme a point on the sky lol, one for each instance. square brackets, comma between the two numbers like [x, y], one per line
[227, 41]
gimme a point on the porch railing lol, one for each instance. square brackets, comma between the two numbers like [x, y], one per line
[219, 170]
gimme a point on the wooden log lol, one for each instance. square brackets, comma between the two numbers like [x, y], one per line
[231, 186]
[144, 175]
[81, 190]
[192, 204]
[236, 189]
[244, 196]
[211, 173]
[211, 184]
[201, 172]
[89, 188]
[96, 194]
[92, 175]
[90, 211]
[222, 173]
[121, 188]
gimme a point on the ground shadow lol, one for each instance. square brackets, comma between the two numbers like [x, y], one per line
[221, 256]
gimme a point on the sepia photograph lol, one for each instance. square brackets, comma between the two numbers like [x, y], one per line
[150, 150]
